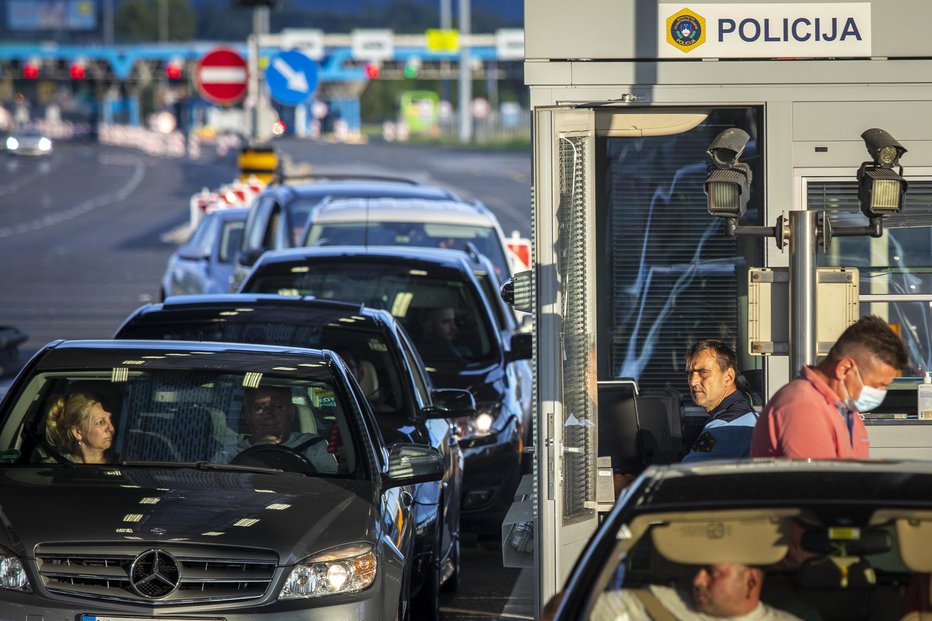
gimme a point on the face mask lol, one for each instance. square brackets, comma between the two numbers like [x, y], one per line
[869, 398]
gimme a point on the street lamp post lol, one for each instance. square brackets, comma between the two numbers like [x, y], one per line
[465, 74]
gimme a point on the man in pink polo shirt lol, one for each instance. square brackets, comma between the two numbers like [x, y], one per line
[816, 416]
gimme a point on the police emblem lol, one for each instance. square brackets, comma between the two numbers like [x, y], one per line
[704, 443]
[686, 30]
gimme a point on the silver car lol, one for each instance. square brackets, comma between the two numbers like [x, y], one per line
[28, 141]
[146, 479]
[413, 222]
[204, 264]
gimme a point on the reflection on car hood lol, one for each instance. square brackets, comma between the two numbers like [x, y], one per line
[485, 384]
[291, 514]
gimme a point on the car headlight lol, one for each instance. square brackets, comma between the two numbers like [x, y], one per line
[482, 426]
[343, 570]
[12, 143]
[45, 144]
[12, 573]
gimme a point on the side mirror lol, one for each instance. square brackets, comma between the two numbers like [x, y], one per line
[522, 344]
[450, 403]
[412, 463]
[192, 253]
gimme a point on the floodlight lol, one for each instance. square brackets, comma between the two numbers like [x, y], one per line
[880, 187]
[728, 182]
[727, 191]
[880, 190]
[727, 147]
[883, 147]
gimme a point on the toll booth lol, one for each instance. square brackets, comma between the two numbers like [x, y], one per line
[629, 266]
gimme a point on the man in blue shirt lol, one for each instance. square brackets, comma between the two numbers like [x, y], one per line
[711, 373]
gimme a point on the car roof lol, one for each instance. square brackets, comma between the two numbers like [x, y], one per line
[403, 210]
[150, 354]
[256, 307]
[229, 213]
[768, 482]
[452, 259]
[357, 188]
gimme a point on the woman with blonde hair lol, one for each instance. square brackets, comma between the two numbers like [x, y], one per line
[80, 428]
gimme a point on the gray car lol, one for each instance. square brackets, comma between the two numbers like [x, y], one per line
[161, 500]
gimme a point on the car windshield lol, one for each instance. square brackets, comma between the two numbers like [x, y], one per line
[418, 234]
[445, 316]
[828, 567]
[212, 417]
[366, 351]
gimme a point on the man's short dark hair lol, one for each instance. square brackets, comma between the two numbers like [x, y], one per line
[724, 354]
[873, 335]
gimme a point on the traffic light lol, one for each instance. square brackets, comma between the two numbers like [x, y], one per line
[412, 67]
[30, 70]
[372, 71]
[77, 71]
[174, 70]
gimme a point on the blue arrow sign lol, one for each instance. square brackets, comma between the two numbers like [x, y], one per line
[291, 77]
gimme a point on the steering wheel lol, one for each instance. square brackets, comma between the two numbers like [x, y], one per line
[276, 456]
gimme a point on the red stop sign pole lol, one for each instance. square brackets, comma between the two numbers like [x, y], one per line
[222, 76]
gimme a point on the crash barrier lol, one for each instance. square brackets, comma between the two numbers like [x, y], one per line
[237, 193]
[520, 247]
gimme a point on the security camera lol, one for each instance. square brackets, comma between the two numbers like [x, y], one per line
[883, 148]
[727, 147]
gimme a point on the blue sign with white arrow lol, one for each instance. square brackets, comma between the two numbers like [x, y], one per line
[291, 77]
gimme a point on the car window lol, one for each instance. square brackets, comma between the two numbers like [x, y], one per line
[299, 211]
[366, 351]
[798, 564]
[230, 239]
[421, 382]
[204, 235]
[426, 304]
[184, 416]
[417, 234]
[257, 223]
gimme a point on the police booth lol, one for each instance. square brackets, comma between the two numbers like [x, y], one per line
[633, 261]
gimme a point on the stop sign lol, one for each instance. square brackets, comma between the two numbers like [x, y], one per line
[222, 76]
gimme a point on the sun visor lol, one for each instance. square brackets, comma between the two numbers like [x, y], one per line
[914, 533]
[746, 537]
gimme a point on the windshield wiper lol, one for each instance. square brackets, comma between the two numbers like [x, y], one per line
[199, 465]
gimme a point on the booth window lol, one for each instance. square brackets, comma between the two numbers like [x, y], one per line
[670, 273]
[897, 264]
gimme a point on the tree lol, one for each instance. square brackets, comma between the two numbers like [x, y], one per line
[138, 20]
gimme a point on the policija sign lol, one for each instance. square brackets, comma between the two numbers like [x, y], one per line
[818, 30]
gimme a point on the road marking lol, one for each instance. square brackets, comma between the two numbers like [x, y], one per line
[90, 204]
[485, 613]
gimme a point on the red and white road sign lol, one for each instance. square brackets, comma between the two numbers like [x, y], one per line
[222, 76]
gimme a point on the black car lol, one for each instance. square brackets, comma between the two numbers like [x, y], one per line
[390, 374]
[278, 216]
[140, 479]
[417, 285]
[829, 540]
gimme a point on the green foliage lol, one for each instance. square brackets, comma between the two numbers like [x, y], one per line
[138, 20]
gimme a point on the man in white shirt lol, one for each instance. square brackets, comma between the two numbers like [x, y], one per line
[270, 416]
[729, 592]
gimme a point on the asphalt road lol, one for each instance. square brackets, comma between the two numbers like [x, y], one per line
[85, 234]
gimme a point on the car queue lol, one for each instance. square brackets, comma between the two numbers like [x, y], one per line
[172, 419]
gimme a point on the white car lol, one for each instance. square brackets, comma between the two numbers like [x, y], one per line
[28, 142]
[411, 222]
